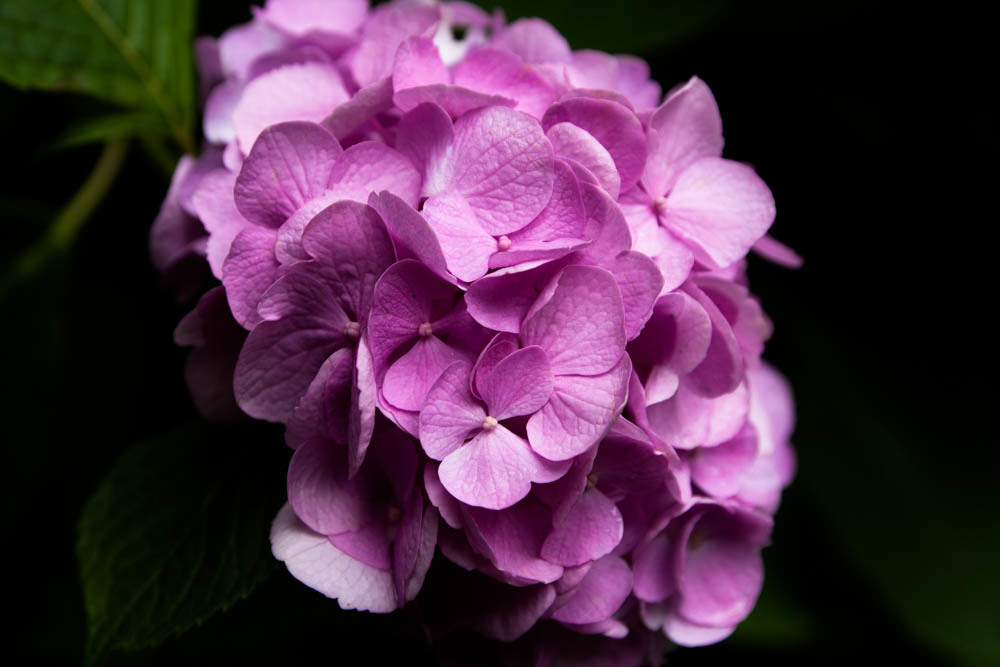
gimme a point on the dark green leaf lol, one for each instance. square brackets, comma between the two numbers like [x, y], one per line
[111, 126]
[136, 53]
[177, 531]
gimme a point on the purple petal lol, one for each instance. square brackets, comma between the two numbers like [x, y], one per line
[218, 121]
[575, 143]
[424, 135]
[213, 202]
[305, 91]
[519, 384]
[775, 251]
[349, 242]
[563, 217]
[591, 529]
[320, 493]
[600, 594]
[361, 418]
[499, 347]
[449, 414]
[411, 235]
[249, 270]
[578, 321]
[388, 26]
[409, 379]
[373, 167]
[686, 128]
[495, 469]
[496, 72]
[685, 633]
[370, 544]
[502, 164]
[605, 227]
[314, 561]
[720, 208]
[289, 164]
[613, 125]
[640, 283]
[303, 16]
[241, 45]
[500, 300]
[449, 508]
[512, 539]
[580, 412]
[281, 357]
[689, 420]
[722, 369]
[466, 247]
[535, 41]
[309, 422]
[720, 470]
[653, 570]
[347, 118]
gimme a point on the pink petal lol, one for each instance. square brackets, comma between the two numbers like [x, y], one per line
[361, 418]
[685, 633]
[213, 202]
[496, 72]
[347, 118]
[613, 125]
[640, 283]
[448, 507]
[352, 248]
[686, 128]
[720, 470]
[500, 300]
[502, 164]
[314, 561]
[409, 378]
[563, 217]
[519, 384]
[606, 227]
[578, 321]
[653, 570]
[424, 135]
[305, 91]
[309, 422]
[575, 143]
[303, 16]
[370, 544]
[241, 45]
[720, 208]
[388, 26]
[690, 420]
[512, 539]
[495, 469]
[249, 270]
[289, 164]
[449, 414]
[591, 529]
[411, 235]
[535, 41]
[373, 167]
[580, 412]
[466, 247]
[218, 122]
[281, 357]
[775, 251]
[600, 594]
[320, 493]
[722, 369]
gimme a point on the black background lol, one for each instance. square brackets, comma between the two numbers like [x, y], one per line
[873, 124]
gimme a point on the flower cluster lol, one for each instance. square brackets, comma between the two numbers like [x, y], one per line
[495, 290]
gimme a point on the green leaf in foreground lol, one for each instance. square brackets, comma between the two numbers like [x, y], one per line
[177, 531]
[135, 53]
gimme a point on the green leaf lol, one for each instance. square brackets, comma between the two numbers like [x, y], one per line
[110, 126]
[135, 53]
[176, 532]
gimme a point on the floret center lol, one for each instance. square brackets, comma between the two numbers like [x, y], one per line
[425, 329]
[489, 424]
[660, 206]
[352, 330]
[504, 243]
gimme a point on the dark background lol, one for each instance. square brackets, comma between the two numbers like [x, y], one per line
[874, 126]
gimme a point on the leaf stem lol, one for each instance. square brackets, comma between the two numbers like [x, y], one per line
[67, 225]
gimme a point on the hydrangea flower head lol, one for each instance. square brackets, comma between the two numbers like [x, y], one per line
[495, 290]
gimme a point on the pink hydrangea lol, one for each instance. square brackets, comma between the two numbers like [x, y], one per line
[495, 290]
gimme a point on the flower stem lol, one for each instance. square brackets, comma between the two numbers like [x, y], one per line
[67, 225]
